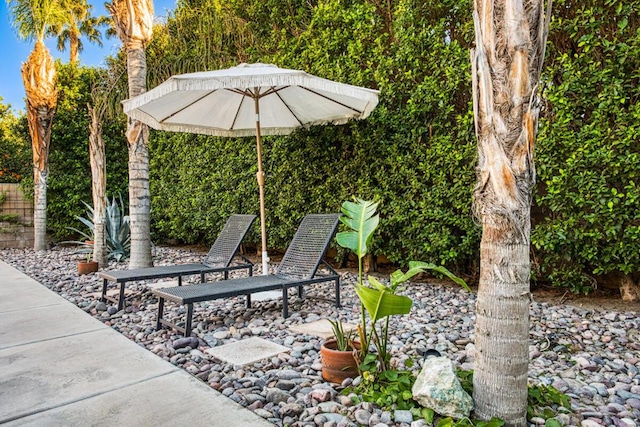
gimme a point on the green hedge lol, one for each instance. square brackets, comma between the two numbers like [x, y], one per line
[589, 146]
[416, 153]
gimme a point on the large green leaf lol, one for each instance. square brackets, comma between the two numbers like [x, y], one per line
[416, 267]
[381, 304]
[360, 217]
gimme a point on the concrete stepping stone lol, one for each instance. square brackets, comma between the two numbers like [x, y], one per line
[247, 351]
[320, 328]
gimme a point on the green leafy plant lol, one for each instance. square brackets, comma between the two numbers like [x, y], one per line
[390, 389]
[543, 401]
[378, 300]
[344, 340]
[117, 230]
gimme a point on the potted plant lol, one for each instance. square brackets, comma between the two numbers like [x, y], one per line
[338, 354]
[88, 266]
[377, 300]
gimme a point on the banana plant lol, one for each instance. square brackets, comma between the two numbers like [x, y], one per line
[380, 301]
[361, 219]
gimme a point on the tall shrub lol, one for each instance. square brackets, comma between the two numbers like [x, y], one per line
[589, 153]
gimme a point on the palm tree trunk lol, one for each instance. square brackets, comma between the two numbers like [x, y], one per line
[38, 75]
[98, 186]
[506, 66]
[74, 47]
[138, 138]
[40, 209]
[40, 123]
[502, 324]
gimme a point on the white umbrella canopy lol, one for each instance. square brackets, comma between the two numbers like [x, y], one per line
[250, 100]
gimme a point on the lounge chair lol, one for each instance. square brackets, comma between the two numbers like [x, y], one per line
[219, 260]
[298, 267]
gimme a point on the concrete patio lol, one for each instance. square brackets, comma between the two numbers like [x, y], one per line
[60, 366]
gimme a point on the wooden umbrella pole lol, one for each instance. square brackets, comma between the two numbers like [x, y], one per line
[260, 177]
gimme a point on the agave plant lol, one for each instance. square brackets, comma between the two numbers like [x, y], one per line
[117, 230]
[378, 300]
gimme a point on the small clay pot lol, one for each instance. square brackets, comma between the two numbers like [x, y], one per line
[86, 267]
[338, 365]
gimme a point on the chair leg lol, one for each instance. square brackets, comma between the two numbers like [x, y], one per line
[121, 297]
[285, 302]
[160, 313]
[248, 300]
[187, 327]
[226, 275]
[104, 290]
[251, 270]
[300, 292]
[337, 292]
[202, 277]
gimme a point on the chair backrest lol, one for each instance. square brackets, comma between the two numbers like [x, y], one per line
[228, 241]
[308, 246]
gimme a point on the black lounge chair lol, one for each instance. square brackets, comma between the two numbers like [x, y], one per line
[220, 259]
[298, 267]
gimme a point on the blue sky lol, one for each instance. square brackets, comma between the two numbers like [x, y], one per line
[15, 52]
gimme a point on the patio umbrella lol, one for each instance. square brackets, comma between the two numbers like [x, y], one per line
[248, 100]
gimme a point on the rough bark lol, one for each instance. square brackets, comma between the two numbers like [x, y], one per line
[139, 193]
[74, 47]
[506, 65]
[38, 75]
[98, 186]
[133, 22]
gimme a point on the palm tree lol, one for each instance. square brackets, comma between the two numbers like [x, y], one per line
[102, 105]
[32, 19]
[79, 22]
[133, 22]
[506, 64]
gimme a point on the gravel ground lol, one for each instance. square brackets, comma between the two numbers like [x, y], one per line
[592, 355]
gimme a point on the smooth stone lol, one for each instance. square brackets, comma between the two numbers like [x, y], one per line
[291, 409]
[362, 416]
[329, 406]
[336, 418]
[288, 374]
[627, 395]
[263, 413]
[321, 395]
[590, 423]
[402, 416]
[276, 395]
[185, 342]
[285, 385]
[221, 335]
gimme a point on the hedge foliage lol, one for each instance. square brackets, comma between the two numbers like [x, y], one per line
[15, 147]
[589, 145]
[416, 153]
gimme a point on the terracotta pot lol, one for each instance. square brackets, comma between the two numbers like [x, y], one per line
[337, 365]
[86, 267]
